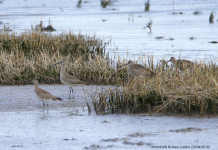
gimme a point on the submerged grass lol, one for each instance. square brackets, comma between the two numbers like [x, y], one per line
[32, 54]
[147, 6]
[105, 3]
[211, 18]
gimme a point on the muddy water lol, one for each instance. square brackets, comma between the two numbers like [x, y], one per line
[123, 23]
[68, 129]
[67, 124]
[18, 98]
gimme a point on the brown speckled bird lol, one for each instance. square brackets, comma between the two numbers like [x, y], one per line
[138, 70]
[68, 79]
[181, 64]
[43, 95]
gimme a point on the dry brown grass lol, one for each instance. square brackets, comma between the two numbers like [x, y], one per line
[190, 91]
[33, 54]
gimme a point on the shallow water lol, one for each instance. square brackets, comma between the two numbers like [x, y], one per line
[124, 24]
[18, 98]
[67, 124]
[68, 129]
[27, 127]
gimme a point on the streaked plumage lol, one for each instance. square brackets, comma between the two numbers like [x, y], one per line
[43, 95]
[181, 64]
[68, 79]
[138, 70]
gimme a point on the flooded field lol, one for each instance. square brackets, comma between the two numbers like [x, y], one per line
[122, 23]
[23, 98]
[67, 124]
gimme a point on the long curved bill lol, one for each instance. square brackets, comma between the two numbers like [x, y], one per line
[58, 63]
[124, 65]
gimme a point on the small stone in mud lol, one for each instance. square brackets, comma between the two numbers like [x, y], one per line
[93, 147]
[37, 143]
[139, 134]
[109, 146]
[171, 39]
[197, 12]
[140, 143]
[74, 114]
[128, 143]
[186, 130]
[105, 121]
[115, 139]
[192, 38]
[69, 139]
[149, 144]
[111, 140]
[159, 37]
[214, 42]
[125, 138]
[66, 139]
[17, 146]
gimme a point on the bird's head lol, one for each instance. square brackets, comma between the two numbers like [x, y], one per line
[172, 59]
[129, 63]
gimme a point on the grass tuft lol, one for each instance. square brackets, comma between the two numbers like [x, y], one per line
[188, 92]
[147, 6]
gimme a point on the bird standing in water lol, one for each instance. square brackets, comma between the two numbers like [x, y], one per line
[43, 95]
[68, 79]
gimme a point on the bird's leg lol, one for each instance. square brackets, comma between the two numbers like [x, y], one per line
[43, 105]
[47, 108]
[70, 92]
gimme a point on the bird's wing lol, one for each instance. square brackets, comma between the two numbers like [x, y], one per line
[138, 66]
[186, 63]
[139, 69]
[72, 80]
[43, 94]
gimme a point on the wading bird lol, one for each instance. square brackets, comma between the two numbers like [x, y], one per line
[68, 79]
[43, 95]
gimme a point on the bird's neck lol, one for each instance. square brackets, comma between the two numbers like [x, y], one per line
[36, 85]
[174, 61]
[63, 69]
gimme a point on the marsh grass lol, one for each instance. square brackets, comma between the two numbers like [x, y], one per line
[105, 3]
[147, 5]
[79, 3]
[33, 53]
[41, 28]
[211, 18]
[149, 25]
[197, 12]
[189, 92]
